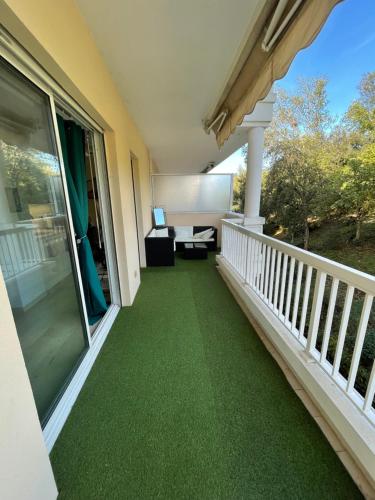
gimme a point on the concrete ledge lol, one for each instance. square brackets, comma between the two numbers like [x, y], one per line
[348, 431]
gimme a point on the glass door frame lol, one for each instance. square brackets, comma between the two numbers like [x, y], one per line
[107, 218]
[18, 58]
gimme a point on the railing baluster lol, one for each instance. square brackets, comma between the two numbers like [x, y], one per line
[237, 244]
[234, 248]
[342, 331]
[235, 251]
[22, 251]
[250, 270]
[245, 246]
[239, 235]
[3, 261]
[306, 295]
[255, 264]
[248, 258]
[329, 318]
[283, 280]
[316, 309]
[277, 281]
[223, 240]
[272, 274]
[297, 294]
[290, 288]
[12, 254]
[244, 256]
[263, 253]
[265, 291]
[231, 245]
[360, 338]
[240, 254]
[258, 266]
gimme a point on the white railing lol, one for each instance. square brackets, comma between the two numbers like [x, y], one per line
[316, 299]
[24, 246]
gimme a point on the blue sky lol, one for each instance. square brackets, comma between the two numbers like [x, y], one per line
[342, 52]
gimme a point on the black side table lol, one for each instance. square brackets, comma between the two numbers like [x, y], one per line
[195, 251]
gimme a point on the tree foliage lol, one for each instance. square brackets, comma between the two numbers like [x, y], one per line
[318, 166]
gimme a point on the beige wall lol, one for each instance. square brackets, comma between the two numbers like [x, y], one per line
[57, 36]
[25, 470]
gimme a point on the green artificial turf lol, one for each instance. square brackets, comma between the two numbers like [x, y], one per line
[184, 402]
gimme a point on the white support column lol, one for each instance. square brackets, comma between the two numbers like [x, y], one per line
[254, 179]
[255, 124]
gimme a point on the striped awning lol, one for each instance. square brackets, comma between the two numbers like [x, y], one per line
[269, 57]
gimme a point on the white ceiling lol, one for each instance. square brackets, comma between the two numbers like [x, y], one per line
[171, 60]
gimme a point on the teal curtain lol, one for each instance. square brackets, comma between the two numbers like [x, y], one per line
[73, 151]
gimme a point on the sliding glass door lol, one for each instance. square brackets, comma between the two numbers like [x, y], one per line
[36, 249]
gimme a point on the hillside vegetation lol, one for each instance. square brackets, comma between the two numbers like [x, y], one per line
[336, 240]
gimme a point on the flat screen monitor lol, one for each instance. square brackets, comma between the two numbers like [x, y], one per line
[159, 217]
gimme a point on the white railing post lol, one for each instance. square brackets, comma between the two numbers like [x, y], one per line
[277, 281]
[261, 286]
[297, 294]
[316, 310]
[329, 319]
[247, 257]
[342, 331]
[360, 338]
[265, 291]
[283, 280]
[290, 287]
[306, 295]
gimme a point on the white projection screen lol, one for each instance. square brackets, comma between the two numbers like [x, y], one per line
[193, 193]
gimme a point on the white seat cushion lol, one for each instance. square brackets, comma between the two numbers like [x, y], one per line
[208, 235]
[203, 233]
[183, 231]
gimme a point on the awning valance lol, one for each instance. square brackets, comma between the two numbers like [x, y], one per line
[266, 64]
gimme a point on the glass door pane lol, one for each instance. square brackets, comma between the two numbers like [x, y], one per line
[35, 243]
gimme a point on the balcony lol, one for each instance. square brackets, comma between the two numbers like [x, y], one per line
[225, 379]
[185, 401]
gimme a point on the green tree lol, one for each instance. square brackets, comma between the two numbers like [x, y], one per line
[292, 191]
[356, 174]
[295, 147]
[318, 166]
[357, 188]
[360, 116]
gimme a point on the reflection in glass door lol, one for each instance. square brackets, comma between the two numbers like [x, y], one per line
[35, 244]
